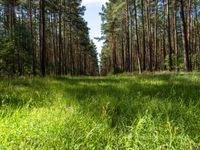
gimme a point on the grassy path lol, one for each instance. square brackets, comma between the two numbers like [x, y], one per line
[141, 112]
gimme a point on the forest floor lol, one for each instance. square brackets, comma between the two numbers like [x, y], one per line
[146, 112]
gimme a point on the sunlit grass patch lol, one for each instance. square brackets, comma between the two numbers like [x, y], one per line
[140, 112]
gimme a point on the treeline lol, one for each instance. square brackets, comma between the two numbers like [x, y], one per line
[150, 35]
[45, 37]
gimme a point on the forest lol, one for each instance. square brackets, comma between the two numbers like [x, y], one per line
[146, 35]
[45, 38]
[60, 88]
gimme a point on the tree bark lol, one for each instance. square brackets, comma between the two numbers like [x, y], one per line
[169, 37]
[155, 35]
[163, 34]
[127, 36]
[143, 36]
[42, 38]
[149, 36]
[175, 34]
[60, 38]
[188, 32]
[185, 37]
[31, 39]
[137, 39]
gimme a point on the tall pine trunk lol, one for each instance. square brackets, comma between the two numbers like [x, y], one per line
[60, 38]
[149, 36]
[127, 37]
[42, 37]
[137, 39]
[185, 37]
[155, 35]
[163, 34]
[143, 36]
[175, 35]
[31, 39]
[169, 37]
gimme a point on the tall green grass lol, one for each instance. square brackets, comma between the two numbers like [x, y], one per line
[139, 112]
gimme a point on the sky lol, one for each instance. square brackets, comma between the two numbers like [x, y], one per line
[93, 7]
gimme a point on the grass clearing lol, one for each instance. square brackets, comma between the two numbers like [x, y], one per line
[135, 112]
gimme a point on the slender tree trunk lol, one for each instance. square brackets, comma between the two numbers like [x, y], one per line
[60, 39]
[122, 56]
[188, 32]
[185, 37]
[127, 36]
[149, 36]
[143, 36]
[131, 44]
[70, 46]
[65, 50]
[163, 37]
[197, 36]
[31, 38]
[42, 38]
[155, 35]
[175, 34]
[114, 55]
[169, 37]
[137, 39]
[12, 22]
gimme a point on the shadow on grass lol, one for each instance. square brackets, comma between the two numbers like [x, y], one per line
[120, 101]
[17, 93]
[169, 87]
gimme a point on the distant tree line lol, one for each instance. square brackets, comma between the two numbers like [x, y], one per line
[150, 35]
[45, 37]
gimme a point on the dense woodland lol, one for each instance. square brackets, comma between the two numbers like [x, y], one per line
[45, 37]
[150, 35]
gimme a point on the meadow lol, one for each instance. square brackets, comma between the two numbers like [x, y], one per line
[141, 112]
